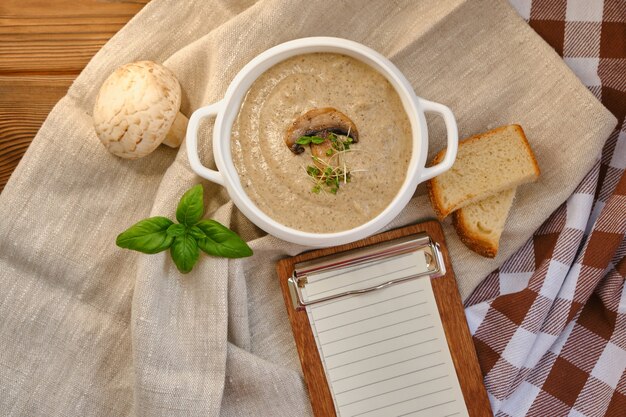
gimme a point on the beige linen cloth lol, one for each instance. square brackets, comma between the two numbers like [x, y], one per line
[88, 329]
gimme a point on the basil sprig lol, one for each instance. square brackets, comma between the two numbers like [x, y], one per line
[186, 238]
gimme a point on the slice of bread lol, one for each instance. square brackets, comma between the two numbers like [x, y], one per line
[480, 225]
[485, 165]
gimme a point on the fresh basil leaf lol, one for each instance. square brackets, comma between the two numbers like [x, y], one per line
[176, 229]
[191, 206]
[303, 140]
[184, 252]
[317, 140]
[147, 236]
[221, 241]
[196, 232]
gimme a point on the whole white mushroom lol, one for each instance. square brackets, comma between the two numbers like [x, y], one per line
[137, 109]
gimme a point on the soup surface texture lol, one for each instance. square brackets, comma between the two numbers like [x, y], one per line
[276, 179]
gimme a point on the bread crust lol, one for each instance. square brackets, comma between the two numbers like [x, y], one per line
[433, 189]
[472, 240]
[528, 148]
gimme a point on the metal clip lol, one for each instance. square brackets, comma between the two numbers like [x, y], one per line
[435, 266]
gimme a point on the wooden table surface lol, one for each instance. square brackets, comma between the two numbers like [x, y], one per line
[44, 45]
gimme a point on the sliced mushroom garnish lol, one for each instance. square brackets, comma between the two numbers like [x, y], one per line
[322, 153]
[320, 122]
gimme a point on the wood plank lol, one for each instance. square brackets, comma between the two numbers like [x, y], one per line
[25, 102]
[38, 37]
[43, 47]
[449, 305]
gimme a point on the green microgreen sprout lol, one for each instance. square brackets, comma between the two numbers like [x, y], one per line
[334, 170]
[305, 140]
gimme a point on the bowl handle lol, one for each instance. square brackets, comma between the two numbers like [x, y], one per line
[192, 142]
[453, 139]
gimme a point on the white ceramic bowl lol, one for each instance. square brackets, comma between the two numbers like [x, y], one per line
[226, 111]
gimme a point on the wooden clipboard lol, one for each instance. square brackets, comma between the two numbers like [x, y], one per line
[450, 309]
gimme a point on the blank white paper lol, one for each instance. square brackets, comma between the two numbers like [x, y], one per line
[384, 352]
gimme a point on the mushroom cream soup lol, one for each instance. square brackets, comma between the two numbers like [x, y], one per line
[354, 155]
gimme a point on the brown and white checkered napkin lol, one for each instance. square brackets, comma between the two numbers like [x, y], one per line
[550, 325]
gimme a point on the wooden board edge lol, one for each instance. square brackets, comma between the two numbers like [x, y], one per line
[319, 392]
[458, 335]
